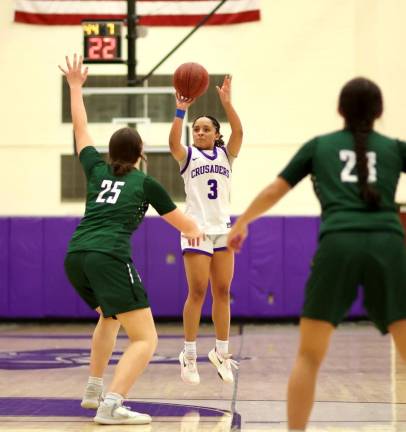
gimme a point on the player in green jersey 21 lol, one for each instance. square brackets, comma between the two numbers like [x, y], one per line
[355, 173]
[98, 262]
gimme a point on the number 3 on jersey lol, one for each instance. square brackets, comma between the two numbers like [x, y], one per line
[213, 189]
[350, 159]
[109, 186]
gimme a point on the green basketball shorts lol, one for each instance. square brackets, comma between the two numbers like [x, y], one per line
[345, 260]
[102, 280]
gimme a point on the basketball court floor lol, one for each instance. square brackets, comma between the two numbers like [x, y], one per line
[43, 369]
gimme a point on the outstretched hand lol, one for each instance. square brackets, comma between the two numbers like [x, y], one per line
[75, 73]
[224, 91]
[183, 102]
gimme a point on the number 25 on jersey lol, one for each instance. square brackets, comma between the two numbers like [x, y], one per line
[114, 189]
[350, 159]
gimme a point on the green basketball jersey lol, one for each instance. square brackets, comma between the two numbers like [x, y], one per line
[331, 161]
[115, 206]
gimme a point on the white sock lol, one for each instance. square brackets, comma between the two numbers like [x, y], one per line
[222, 346]
[113, 398]
[95, 381]
[190, 349]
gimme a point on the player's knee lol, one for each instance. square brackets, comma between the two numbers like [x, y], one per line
[222, 293]
[150, 341]
[313, 357]
[197, 293]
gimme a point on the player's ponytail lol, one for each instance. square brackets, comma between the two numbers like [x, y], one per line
[361, 104]
[121, 168]
[125, 148]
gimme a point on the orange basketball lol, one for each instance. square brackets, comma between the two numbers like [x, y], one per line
[191, 80]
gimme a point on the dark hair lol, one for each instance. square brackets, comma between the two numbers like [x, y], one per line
[360, 104]
[125, 148]
[219, 141]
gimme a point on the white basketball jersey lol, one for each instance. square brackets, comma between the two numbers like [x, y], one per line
[207, 177]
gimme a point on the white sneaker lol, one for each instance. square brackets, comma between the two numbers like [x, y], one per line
[92, 397]
[118, 414]
[188, 369]
[223, 364]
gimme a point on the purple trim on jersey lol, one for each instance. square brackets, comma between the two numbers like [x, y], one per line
[189, 155]
[214, 157]
[220, 248]
[198, 251]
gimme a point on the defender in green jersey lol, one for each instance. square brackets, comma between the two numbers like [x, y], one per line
[355, 173]
[98, 262]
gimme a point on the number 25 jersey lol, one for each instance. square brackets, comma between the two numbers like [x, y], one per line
[207, 177]
[115, 206]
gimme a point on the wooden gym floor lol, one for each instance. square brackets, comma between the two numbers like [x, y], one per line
[362, 385]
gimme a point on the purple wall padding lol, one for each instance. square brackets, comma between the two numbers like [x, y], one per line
[26, 294]
[301, 235]
[269, 278]
[164, 267]
[60, 298]
[266, 267]
[4, 264]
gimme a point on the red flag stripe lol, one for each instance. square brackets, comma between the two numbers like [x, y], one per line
[151, 20]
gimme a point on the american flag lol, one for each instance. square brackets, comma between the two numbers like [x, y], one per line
[150, 12]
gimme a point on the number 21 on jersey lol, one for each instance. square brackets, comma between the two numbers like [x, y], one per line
[350, 159]
[113, 188]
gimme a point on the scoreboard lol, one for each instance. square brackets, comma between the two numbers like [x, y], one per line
[102, 41]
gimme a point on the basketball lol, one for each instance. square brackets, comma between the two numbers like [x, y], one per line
[191, 80]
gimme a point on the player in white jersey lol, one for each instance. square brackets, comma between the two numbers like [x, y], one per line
[206, 169]
[207, 177]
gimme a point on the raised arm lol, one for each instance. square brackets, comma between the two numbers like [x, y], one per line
[76, 77]
[263, 202]
[178, 150]
[235, 141]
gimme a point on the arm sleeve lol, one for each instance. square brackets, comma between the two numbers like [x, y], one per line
[402, 149]
[89, 157]
[157, 196]
[300, 165]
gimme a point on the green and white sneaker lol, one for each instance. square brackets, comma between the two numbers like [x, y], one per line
[188, 369]
[92, 397]
[117, 414]
[223, 363]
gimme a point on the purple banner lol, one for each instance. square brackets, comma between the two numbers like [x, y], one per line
[4, 266]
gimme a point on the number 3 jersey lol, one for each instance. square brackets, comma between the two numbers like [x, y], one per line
[207, 177]
[332, 163]
[115, 206]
